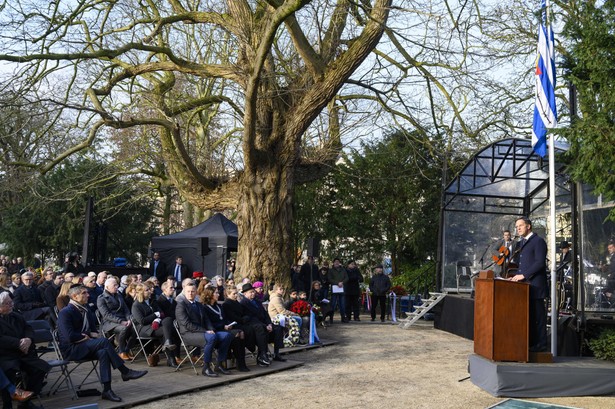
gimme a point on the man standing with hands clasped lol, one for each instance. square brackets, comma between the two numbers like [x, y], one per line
[533, 270]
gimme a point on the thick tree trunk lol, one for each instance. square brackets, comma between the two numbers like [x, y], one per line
[264, 222]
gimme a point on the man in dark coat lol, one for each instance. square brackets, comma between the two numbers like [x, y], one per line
[352, 291]
[79, 341]
[116, 317]
[157, 268]
[17, 351]
[379, 285]
[308, 274]
[53, 290]
[28, 299]
[258, 318]
[533, 270]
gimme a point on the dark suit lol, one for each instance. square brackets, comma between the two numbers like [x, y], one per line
[194, 324]
[259, 319]
[158, 270]
[307, 274]
[167, 307]
[184, 273]
[113, 311]
[29, 302]
[532, 265]
[13, 327]
[234, 311]
[71, 331]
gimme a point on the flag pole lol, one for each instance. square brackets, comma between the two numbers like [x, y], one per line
[553, 228]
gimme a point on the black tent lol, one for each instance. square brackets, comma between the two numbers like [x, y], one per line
[204, 247]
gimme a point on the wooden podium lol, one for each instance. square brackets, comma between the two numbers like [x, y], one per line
[501, 319]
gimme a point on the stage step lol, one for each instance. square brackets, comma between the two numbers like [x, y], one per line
[421, 310]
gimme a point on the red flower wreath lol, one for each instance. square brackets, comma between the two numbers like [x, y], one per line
[301, 308]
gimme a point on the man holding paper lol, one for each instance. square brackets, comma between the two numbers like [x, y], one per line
[338, 277]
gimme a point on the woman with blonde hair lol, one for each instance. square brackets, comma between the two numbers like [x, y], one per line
[63, 299]
[150, 322]
[15, 282]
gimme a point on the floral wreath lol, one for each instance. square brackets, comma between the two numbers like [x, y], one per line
[291, 330]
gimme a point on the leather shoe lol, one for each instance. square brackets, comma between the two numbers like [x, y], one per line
[153, 359]
[110, 395]
[279, 358]
[262, 363]
[263, 358]
[168, 345]
[125, 356]
[223, 371]
[132, 374]
[243, 369]
[178, 360]
[20, 395]
[207, 371]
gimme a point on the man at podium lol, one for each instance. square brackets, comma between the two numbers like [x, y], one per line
[533, 270]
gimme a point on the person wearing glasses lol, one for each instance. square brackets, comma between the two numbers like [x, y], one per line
[28, 299]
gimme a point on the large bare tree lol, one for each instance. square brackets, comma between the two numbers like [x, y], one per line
[260, 72]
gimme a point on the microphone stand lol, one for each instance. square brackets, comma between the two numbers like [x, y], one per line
[482, 258]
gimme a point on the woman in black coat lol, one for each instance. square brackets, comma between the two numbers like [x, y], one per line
[150, 322]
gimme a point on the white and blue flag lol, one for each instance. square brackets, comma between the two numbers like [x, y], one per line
[545, 113]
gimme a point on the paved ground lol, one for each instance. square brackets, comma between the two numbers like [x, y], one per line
[373, 365]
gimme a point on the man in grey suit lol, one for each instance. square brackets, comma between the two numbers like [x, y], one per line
[533, 270]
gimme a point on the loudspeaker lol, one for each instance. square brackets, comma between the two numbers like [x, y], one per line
[203, 246]
[313, 247]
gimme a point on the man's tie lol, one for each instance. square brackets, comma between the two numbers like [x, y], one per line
[178, 276]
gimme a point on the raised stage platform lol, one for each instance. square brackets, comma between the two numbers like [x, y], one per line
[566, 376]
[455, 314]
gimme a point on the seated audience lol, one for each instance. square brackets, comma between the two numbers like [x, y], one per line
[233, 311]
[219, 283]
[262, 325]
[150, 322]
[63, 299]
[116, 317]
[276, 307]
[166, 305]
[292, 297]
[196, 329]
[209, 298]
[28, 299]
[79, 341]
[18, 352]
[15, 282]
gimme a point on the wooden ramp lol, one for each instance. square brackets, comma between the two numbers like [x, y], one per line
[162, 382]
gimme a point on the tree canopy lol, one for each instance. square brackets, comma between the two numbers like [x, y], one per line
[590, 67]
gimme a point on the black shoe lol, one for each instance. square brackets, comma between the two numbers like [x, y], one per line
[382, 319]
[207, 371]
[262, 362]
[357, 319]
[279, 358]
[132, 374]
[171, 362]
[264, 359]
[539, 348]
[110, 395]
[219, 368]
[243, 369]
